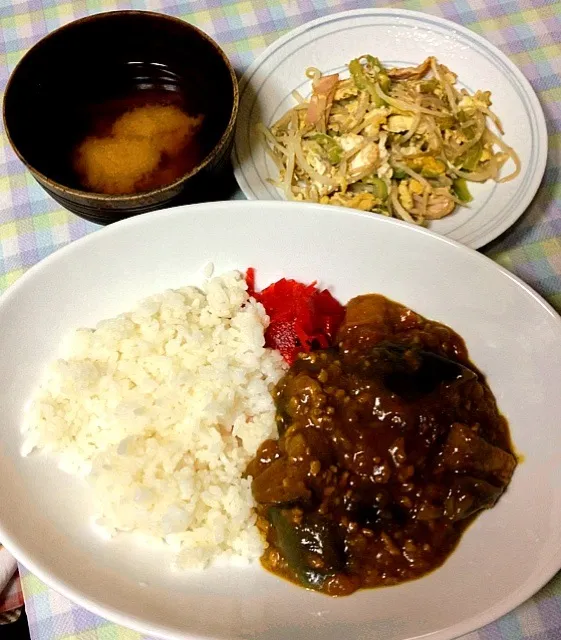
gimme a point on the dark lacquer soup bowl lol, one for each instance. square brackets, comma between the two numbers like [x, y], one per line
[154, 74]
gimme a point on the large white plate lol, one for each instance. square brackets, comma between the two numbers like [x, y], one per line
[512, 334]
[398, 38]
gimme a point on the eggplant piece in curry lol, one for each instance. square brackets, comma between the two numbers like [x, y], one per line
[389, 446]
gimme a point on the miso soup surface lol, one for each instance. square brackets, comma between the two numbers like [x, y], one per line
[138, 142]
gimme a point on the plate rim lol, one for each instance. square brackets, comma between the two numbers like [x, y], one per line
[130, 621]
[539, 168]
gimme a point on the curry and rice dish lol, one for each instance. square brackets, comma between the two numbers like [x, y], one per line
[402, 142]
[346, 446]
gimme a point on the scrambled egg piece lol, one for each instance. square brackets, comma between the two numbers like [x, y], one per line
[345, 89]
[317, 163]
[454, 136]
[399, 124]
[352, 107]
[405, 196]
[335, 121]
[416, 187]
[481, 100]
[367, 158]
[439, 91]
[350, 141]
[375, 119]
[302, 119]
[361, 201]
[385, 172]
[485, 154]
[324, 168]
[410, 150]
[428, 166]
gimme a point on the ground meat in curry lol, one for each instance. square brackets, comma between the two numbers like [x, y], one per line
[389, 445]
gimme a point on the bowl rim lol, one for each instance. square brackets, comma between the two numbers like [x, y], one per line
[101, 197]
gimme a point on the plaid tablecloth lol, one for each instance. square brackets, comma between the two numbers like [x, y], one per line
[32, 225]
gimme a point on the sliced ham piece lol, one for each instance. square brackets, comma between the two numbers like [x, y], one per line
[406, 73]
[321, 100]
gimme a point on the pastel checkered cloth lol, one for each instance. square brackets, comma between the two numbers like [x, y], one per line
[32, 225]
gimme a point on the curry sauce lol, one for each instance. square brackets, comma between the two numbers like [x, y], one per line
[389, 446]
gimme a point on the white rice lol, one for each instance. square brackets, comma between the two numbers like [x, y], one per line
[161, 409]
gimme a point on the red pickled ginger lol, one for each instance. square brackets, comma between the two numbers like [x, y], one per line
[302, 317]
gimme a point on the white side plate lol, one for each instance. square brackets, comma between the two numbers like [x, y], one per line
[398, 38]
